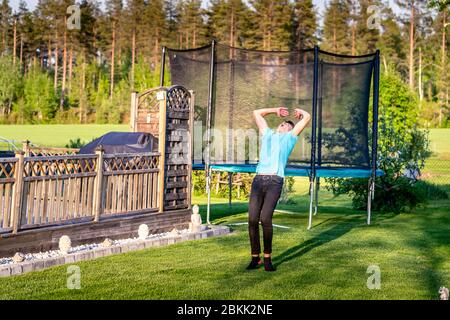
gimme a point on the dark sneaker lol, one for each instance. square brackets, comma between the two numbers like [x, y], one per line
[255, 263]
[268, 266]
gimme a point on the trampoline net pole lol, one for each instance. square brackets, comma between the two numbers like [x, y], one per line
[208, 192]
[311, 198]
[313, 133]
[208, 124]
[230, 188]
[163, 67]
[319, 132]
[376, 90]
[316, 200]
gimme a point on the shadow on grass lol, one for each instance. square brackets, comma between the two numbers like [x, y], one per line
[223, 210]
[434, 244]
[339, 228]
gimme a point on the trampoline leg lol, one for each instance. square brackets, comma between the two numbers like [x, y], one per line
[369, 200]
[230, 187]
[208, 191]
[311, 200]
[316, 204]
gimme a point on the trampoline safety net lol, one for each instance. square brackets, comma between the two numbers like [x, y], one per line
[245, 80]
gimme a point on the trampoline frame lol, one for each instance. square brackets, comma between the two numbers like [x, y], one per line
[314, 180]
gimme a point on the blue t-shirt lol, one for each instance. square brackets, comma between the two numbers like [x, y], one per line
[275, 150]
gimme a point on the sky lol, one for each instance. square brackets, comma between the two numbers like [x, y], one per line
[320, 4]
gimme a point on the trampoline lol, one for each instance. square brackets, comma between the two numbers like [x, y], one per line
[339, 91]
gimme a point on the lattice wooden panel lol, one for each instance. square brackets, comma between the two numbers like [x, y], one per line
[38, 151]
[7, 171]
[130, 182]
[57, 189]
[178, 162]
[148, 113]
[51, 166]
[130, 162]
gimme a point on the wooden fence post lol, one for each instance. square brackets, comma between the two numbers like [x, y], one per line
[26, 147]
[98, 185]
[133, 112]
[17, 192]
[191, 147]
[162, 98]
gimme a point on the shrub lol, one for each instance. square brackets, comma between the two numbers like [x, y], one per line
[288, 190]
[402, 150]
[199, 186]
[75, 144]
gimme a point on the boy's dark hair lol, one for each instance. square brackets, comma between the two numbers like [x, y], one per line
[291, 123]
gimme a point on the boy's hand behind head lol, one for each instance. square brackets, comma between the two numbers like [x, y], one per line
[282, 112]
[300, 114]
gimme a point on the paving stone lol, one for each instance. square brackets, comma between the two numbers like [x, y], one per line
[50, 262]
[38, 265]
[78, 257]
[27, 266]
[148, 244]
[105, 251]
[5, 271]
[116, 249]
[125, 247]
[185, 237]
[70, 258]
[16, 269]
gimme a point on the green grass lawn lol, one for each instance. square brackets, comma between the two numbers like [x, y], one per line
[328, 262]
[440, 140]
[56, 135]
[437, 167]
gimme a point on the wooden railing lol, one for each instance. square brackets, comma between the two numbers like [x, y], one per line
[33, 151]
[130, 182]
[40, 191]
[8, 167]
[41, 187]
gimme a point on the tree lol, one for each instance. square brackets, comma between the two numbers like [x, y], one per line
[170, 8]
[191, 26]
[273, 21]
[365, 36]
[229, 22]
[10, 80]
[415, 12]
[391, 43]
[305, 24]
[26, 33]
[402, 150]
[114, 9]
[336, 35]
[5, 23]
[40, 98]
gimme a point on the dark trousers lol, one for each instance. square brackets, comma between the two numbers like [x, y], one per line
[264, 195]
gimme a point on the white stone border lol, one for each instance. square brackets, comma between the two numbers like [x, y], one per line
[34, 265]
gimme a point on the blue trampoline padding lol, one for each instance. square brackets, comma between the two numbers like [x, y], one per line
[198, 166]
[298, 172]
